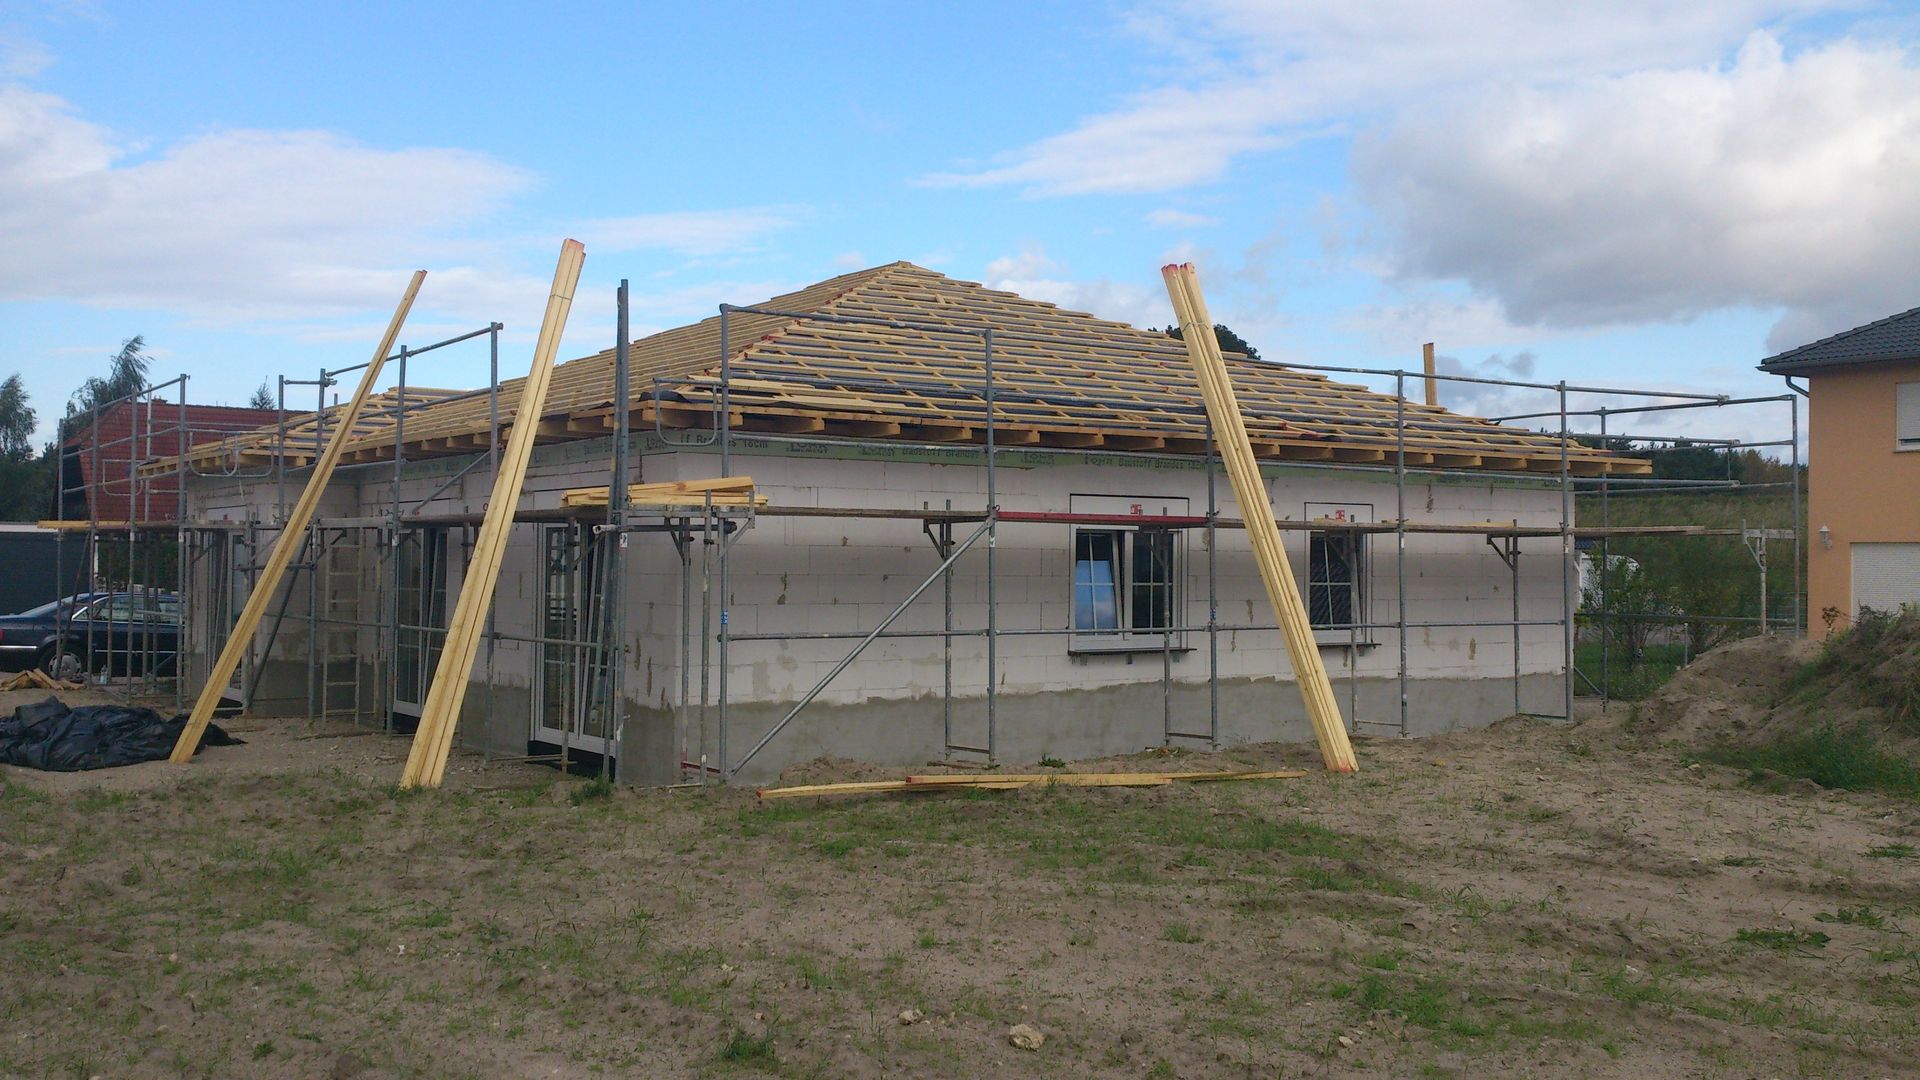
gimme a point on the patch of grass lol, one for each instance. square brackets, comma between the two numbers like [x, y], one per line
[600, 787]
[1182, 933]
[1743, 860]
[95, 801]
[1782, 939]
[1629, 678]
[1420, 1001]
[1831, 757]
[1386, 961]
[1051, 762]
[524, 797]
[1636, 989]
[1855, 916]
[1891, 851]
[744, 1049]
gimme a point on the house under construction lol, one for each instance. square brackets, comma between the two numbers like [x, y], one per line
[991, 528]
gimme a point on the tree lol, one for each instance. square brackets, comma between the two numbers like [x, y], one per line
[1229, 341]
[16, 419]
[126, 374]
[1631, 601]
[26, 480]
[262, 397]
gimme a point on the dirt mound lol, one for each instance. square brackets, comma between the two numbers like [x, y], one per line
[1726, 694]
[1845, 713]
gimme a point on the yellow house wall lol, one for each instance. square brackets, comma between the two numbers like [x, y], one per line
[1859, 485]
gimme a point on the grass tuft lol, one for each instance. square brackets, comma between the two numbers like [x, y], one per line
[600, 787]
[1782, 939]
[748, 1049]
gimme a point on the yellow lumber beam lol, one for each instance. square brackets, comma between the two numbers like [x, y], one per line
[848, 788]
[1063, 779]
[720, 491]
[292, 534]
[440, 713]
[1236, 450]
[1012, 781]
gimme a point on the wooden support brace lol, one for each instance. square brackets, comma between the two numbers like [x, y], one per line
[292, 534]
[1230, 435]
[440, 713]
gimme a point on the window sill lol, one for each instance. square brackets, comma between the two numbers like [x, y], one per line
[1108, 648]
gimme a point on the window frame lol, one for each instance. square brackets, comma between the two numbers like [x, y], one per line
[1360, 563]
[1124, 637]
[1906, 415]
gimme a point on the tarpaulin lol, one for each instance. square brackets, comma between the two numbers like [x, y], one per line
[53, 737]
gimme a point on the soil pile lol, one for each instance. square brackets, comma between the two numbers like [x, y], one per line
[1861, 687]
[1727, 694]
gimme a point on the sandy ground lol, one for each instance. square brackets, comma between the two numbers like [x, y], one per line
[1524, 901]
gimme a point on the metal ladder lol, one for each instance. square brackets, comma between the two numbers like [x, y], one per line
[341, 587]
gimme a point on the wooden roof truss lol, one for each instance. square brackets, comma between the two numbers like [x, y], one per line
[898, 353]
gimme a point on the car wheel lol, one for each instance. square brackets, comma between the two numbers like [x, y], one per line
[66, 666]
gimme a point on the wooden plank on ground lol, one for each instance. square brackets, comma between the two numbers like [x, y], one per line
[440, 713]
[292, 535]
[1013, 781]
[1236, 450]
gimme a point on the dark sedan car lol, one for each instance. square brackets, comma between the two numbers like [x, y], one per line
[102, 632]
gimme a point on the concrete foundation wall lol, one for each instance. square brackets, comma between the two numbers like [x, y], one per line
[1098, 721]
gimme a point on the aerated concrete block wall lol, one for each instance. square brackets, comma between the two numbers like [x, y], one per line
[813, 575]
[799, 575]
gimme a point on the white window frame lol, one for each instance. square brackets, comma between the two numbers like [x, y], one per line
[1360, 585]
[1124, 638]
[1906, 416]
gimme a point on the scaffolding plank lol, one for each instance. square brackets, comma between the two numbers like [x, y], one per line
[1236, 450]
[440, 713]
[240, 639]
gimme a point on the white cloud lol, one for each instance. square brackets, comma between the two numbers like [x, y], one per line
[1470, 323]
[1771, 182]
[689, 232]
[229, 225]
[1035, 276]
[1180, 219]
[1256, 75]
[22, 58]
[850, 260]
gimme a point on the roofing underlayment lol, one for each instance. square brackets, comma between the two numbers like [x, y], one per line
[909, 364]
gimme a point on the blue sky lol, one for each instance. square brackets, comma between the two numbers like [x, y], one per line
[1634, 193]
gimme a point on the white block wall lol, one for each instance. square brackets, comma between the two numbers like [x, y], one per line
[809, 575]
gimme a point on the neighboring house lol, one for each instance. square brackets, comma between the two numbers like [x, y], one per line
[1863, 473]
[96, 460]
[861, 435]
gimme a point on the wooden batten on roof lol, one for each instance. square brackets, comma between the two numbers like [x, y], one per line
[1062, 379]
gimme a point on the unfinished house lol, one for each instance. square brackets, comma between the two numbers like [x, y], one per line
[988, 527]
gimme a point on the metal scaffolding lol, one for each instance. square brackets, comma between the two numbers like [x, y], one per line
[354, 661]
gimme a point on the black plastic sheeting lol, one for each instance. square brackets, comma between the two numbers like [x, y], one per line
[52, 737]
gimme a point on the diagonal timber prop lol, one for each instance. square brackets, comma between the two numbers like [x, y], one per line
[292, 534]
[440, 713]
[1236, 450]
